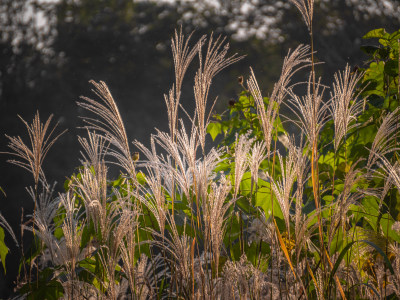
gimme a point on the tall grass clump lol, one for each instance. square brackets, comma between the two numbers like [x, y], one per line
[267, 213]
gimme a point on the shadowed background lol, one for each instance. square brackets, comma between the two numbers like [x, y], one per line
[51, 49]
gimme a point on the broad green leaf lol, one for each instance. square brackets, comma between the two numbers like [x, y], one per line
[392, 68]
[395, 35]
[141, 178]
[370, 50]
[214, 129]
[263, 200]
[245, 184]
[377, 33]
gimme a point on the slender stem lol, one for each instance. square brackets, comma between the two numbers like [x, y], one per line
[398, 75]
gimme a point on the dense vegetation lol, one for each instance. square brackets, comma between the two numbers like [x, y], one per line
[296, 205]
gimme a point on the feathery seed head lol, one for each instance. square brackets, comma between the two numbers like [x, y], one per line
[31, 157]
[306, 8]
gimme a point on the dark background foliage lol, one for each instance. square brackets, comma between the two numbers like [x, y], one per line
[51, 49]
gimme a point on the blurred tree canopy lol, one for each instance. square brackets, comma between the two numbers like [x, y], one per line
[51, 49]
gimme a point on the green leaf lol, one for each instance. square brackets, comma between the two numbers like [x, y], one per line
[377, 33]
[88, 264]
[263, 200]
[3, 249]
[245, 184]
[252, 252]
[87, 232]
[370, 50]
[392, 68]
[141, 178]
[214, 129]
[395, 35]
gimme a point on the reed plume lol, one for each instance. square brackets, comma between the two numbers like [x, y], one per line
[110, 124]
[292, 63]
[214, 61]
[242, 147]
[345, 106]
[255, 158]
[310, 110]
[306, 8]
[182, 56]
[92, 189]
[293, 167]
[385, 141]
[214, 210]
[4, 224]
[31, 156]
[95, 148]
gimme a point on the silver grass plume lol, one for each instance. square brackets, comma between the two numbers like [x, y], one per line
[392, 171]
[188, 145]
[293, 62]
[4, 224]
[214, 211]
[242, 280]
[176, 175]
[178, 245]
[184, 169]
[108, 281]
[180, 162]
[92, 189]
[110, 124]
[386, 138]
[306, 8]
[200, 170]
[267, 118]
[145, 279]
[30, 156]
[310, 110]
[95, 147]
[72, 229]
[42, 225]
[118, 223]
[155, 163]
[153, 194]
[242, 148]
[213, 63]
[255, 158]
[118, 220]
[128, 247]
[294, 164]
[345, 107]
[182, 55]
[204, 172]
[346, 198]
[302, 229]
